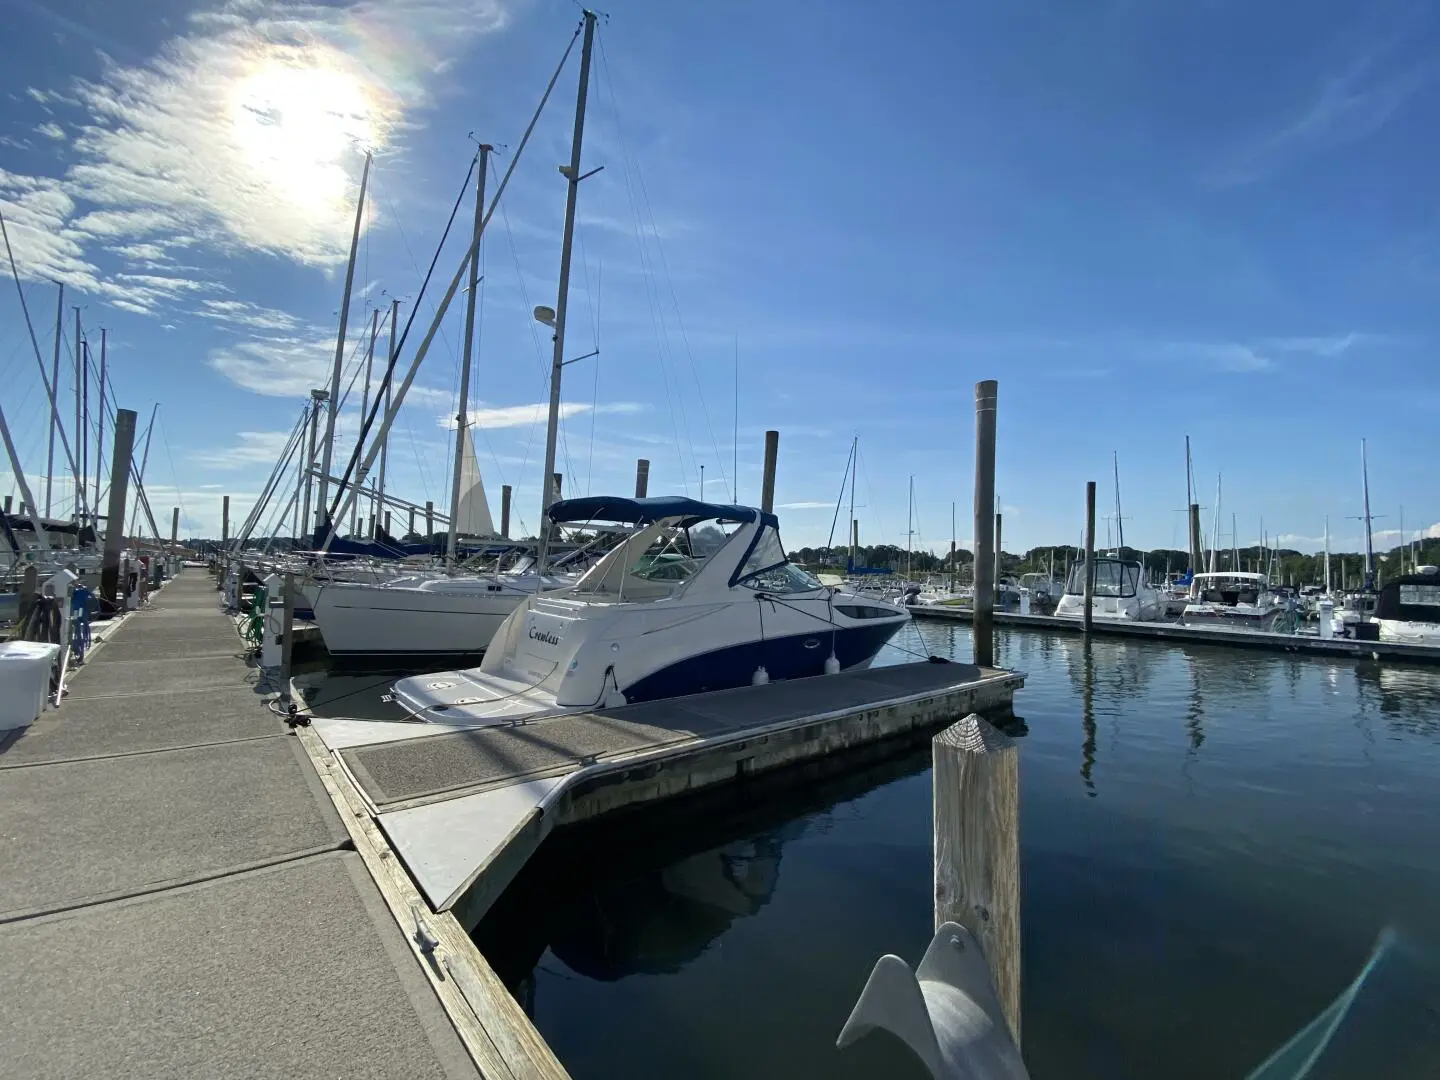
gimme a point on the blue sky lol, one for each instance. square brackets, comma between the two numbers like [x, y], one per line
[1145, 220]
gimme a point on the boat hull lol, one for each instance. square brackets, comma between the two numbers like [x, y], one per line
[363, 620]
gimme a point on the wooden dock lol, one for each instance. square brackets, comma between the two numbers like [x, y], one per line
[179, 896]
[191, 887]
[1247, 639]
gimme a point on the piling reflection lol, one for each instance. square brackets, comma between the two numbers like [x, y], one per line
[1087, 721]
[1408, 698]
[652, 892]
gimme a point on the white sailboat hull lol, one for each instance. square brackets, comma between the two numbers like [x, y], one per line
[448, 617]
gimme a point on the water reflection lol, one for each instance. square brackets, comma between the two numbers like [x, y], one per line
[1407, 697]
[652, 892]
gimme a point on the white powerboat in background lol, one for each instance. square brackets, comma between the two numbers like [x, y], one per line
[1122, 591]
[1232, 599]
[1408, 608]
[699, 597]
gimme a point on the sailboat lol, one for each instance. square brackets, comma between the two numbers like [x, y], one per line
[1122, 586]
[424, 615]
[436, 616]
[698, 596]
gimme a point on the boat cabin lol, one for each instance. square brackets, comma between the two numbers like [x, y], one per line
[1113, 577]
[1228, 588]
[1412, 598]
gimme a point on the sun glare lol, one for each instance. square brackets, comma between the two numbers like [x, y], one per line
[299, 122]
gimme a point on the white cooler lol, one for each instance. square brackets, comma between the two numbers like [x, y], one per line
[25, 668]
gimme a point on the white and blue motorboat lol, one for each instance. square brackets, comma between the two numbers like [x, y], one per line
[698, 596]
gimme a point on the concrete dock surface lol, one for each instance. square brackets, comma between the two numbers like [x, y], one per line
[179, 896]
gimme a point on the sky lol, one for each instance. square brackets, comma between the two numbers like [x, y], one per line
[1204, 217]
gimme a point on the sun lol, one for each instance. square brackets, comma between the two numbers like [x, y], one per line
[299, 120]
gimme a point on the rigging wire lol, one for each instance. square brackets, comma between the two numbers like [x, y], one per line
[665, 265]
[450, 289]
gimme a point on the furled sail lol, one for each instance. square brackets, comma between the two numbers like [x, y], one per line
[472, 518]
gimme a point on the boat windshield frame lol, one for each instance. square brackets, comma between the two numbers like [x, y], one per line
[1130, 576]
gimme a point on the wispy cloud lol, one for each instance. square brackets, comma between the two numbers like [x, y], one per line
[806, 505]
[1348, 106]
[509, 416]
[279, 365]
[243, 313]
[242, 134]
[1219, 356]
[253, 448]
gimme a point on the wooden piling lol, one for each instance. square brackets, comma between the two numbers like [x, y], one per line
[506, 492]
[1089, 554]
[29, 589]
[387, 524]
[429, 517]
[119, 490]
[986, 394]
[767, 482]
[174, 529]
[411, 530]
[9, 499]
[642, 478]
[977, 847]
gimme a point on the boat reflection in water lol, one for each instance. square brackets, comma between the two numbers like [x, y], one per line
[650, 892]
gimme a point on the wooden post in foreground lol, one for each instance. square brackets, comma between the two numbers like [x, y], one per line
[983, 625]
[977, 847]
[429, 518]
[1089, 554]
[287, 640]
[767, 479]
[225, 522]
[29, 589]
[642, 478]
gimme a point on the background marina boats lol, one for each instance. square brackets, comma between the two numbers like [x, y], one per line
[1122, 591]
[1407, 608]
[1232, 599]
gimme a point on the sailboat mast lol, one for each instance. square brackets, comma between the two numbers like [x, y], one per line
[1119, 521]
[854, 468]
[1189, 477]
[1234, 541]
[910, 531]
[100, 434]
[1327, 554]
[1215, 526]
[385, 443]
[54, 388]
[462, 416]
[322, 509]
[81, 462]
[557, 360]
[365, 409]
[1369, 540]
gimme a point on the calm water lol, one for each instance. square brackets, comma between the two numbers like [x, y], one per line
[1211, 842]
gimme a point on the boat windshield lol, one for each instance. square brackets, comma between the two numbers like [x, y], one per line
[677, 554]
[768, 569]
[1112, 578]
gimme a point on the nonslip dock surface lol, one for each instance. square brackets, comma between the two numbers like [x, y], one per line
[429, 765]
[178, 897]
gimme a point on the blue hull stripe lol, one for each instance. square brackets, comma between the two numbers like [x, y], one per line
[796, 657]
